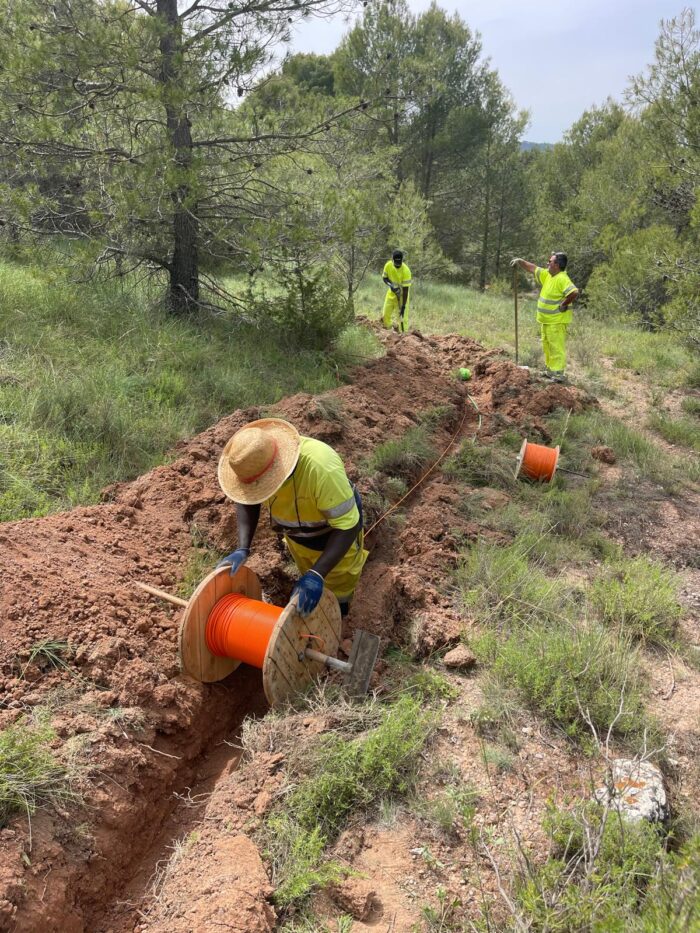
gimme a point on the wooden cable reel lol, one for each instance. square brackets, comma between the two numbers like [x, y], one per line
[290, 659]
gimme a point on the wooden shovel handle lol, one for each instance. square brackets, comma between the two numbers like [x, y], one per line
[154, 591]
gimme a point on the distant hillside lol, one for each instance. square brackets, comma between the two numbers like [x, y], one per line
[525, 146]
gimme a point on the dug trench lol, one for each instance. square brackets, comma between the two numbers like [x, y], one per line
[152, 745]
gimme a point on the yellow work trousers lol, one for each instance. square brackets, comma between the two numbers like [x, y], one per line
[391, 308]
[343, 578]
[554, 346]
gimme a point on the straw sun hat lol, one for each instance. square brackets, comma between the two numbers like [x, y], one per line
[258, 459]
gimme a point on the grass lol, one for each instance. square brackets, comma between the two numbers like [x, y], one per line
[639, 598]
[30, 775]
[439, 415]
[497, 759]
[502, 585]
[336, 776]
[691, 405]
[488, 318]
[439, 308]
[49, 653]
[658, 356]
[578, 433]
[97, 383]
[451, 810]
[482, 465]
[201, 560]
[682, 431]
[578, 675]
[327, 408]
[404, 457]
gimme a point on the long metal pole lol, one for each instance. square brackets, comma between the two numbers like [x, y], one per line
[336, 664]
[515, 300]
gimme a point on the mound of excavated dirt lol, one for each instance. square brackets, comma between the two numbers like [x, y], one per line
[120, 703]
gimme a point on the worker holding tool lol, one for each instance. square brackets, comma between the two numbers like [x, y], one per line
[397, 277]
[311, 502]
[554, 314]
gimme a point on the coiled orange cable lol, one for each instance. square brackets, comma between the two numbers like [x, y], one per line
[539, 462]
[240, 627]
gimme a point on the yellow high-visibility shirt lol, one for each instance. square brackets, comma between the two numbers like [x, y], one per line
[316, 497]
[554, 288]
[400, 276]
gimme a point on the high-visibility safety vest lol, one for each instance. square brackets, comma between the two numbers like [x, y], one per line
[316, 498]
[554, 289]
[400, 276]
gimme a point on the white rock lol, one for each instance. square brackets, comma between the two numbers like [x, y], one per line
[638, 791]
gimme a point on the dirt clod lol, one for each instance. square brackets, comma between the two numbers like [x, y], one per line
[459, 659]
[604, 454]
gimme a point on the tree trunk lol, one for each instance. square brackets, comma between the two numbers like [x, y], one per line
[501, 213]
[487, 212]
[183, 294]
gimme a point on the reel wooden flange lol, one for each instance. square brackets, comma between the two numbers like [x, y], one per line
[299, 647]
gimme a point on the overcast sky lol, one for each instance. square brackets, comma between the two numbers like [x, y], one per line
[556, 59]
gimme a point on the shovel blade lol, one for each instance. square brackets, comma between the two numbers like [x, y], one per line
[363, 655]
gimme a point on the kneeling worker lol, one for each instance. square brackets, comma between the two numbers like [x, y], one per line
[311, 501]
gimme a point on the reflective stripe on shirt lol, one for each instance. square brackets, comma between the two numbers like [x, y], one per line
[341, 509]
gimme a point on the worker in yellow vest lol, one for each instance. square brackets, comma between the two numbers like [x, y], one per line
[397, 277]
[554, 314]
[311, 501]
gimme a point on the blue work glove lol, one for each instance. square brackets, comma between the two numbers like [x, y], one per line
[310, 589]
[235, 559]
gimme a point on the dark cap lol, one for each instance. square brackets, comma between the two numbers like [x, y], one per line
[397, 254]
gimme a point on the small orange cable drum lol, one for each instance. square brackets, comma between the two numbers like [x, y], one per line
[537, 462]
[239, 627]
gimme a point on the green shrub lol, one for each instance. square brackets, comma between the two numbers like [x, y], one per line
[672, 903]
[311, 313]
[498, 759]
[501, 583]
[433, 418]
[451, 810]
[428, 684]
[297, 855]
[597, 875]
[572, 676]
[640, 598]
[631, 282]
[341, 776]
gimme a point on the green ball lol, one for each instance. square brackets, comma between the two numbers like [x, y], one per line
[465, 374]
